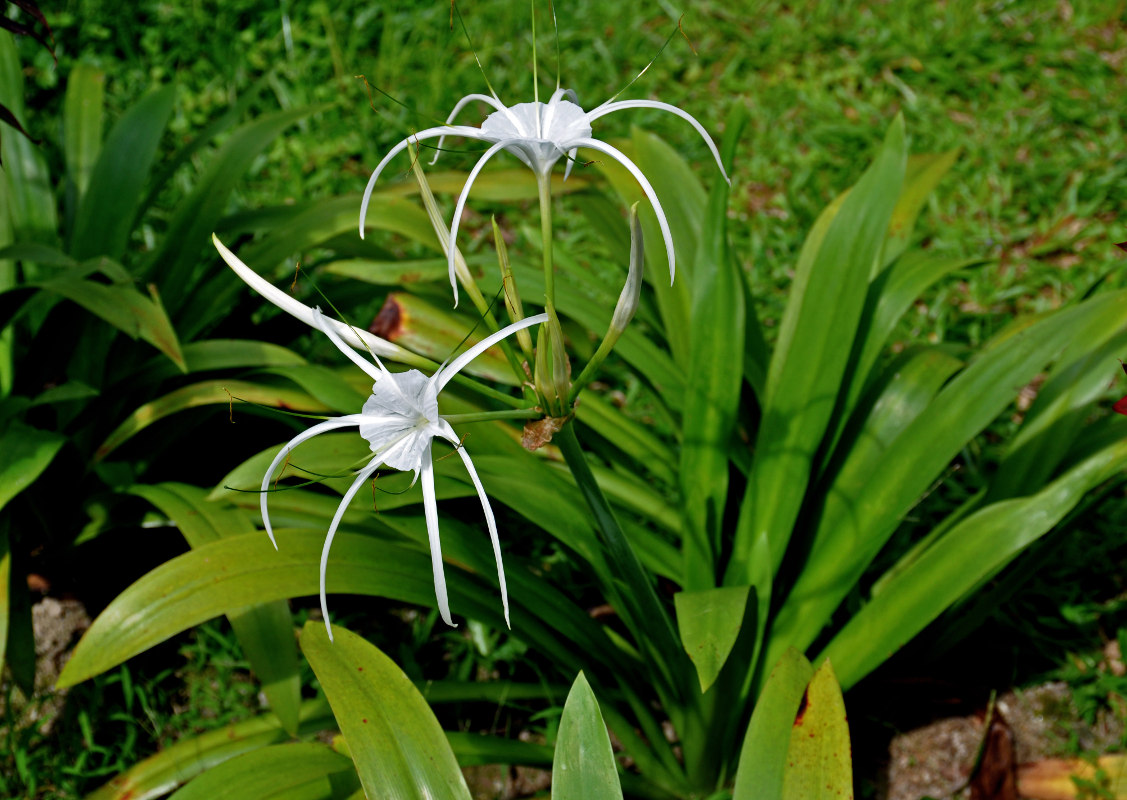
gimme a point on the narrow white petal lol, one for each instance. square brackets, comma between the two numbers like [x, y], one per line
[647, 189]
[448, 433]
[550, 108]
[327, 425]
[429, 133]
[359, 339]
[430, 510]
[376, 372]
[610, 108]
[445, 373]
[361, 479]
[469, 98]
[451, 249]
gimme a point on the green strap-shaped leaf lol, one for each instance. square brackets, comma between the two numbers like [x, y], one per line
[293, 771]
[126, 309]
[763, 758]
[27, 452]
[30, 191]
[326, 385]
[213, 354]
[266, 636]
[815, 340]
[240, 571]
[265, 632]
[890, 294]
[82, 125]
[110, 206]
[709, 622]
[396, 743]
[956, 563]
[634, 439]
[177, 764]
[863, 507]
[902, 393]
[584, 767]
[922, 175]
[713, 387]
[481, 748]
[174, 261]
[819, 761]
[205, 393]
[336, 216]
[1059, 414]
[398, 273]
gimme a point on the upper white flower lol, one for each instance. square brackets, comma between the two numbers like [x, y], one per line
[399, 420]
[540, 134]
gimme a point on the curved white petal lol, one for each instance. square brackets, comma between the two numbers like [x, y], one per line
[632, 168]
[610, 108]
[360, 339]
[469, 98]
[449, 434]
[445, 373]
[553, 102]
[327, 425]
[375, 372]
[492, 151]
[430, 510]
[429, 133]
[361, 479]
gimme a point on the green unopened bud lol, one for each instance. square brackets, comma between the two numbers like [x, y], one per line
[552, 377]
[624, 310]
[632, 291]
[512, 294]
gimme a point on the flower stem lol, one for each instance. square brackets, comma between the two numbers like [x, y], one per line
[486, 416]
[592, 366]
[544, 184]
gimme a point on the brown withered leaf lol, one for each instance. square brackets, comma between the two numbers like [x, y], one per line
[537, 434]
[996, 777]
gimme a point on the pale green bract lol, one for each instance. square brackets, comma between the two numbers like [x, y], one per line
[540, 134]
[399, 420]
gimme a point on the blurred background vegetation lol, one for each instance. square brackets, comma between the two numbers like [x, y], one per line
[1030, 93]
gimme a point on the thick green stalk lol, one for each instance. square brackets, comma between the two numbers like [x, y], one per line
[656, 633]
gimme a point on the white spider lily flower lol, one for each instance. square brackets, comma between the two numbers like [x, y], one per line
[399, 420]
[540, 134]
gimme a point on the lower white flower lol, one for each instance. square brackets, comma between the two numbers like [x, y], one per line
[399, 420]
